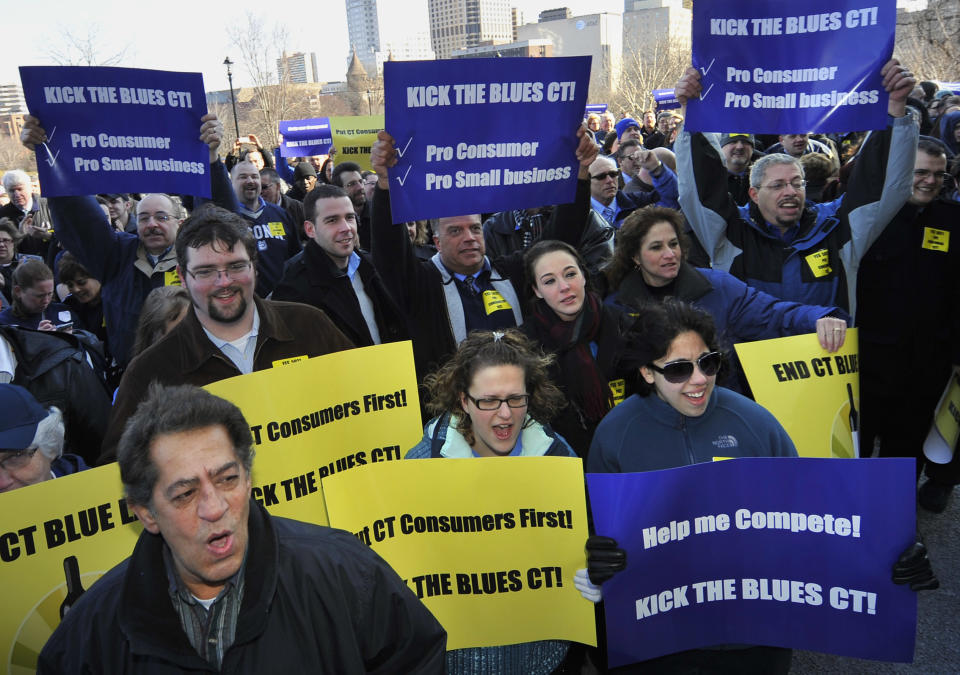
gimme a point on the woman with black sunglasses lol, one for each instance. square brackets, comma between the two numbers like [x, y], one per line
[678, 415]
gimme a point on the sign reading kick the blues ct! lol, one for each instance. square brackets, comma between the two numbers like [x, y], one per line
[772, 66]
[118, 130]
[303, 138]
[483, 135]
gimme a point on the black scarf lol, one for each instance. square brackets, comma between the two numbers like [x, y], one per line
[570, 341]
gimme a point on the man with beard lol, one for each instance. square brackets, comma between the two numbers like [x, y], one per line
[808, 253]
[229, 331]
[348, 175]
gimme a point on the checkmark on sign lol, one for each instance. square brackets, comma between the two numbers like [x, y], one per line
[401, 180]
[400, 152]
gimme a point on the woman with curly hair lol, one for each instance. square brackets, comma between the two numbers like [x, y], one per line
[492, 398]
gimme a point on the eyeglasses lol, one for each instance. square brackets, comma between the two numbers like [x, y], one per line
[6, 241]
[517, 401]
[17, 459]
[778, 185]
[608, 174]
[160, 217]
[234, 271]
[924, 174]
[353, 183]
[677, 372]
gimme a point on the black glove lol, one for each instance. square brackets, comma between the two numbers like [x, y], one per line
[913, 567]
[604, 558]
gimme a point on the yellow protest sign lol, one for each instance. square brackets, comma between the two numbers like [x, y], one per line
[82, 516]
[814, 394]
[353, 136]
[491, 546]
[323, 416]
[309, 419]
[942, 438]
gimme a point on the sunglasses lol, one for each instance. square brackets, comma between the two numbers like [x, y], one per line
[608, 174]
[677, 372]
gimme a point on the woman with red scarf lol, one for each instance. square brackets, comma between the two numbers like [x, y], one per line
[571, 321]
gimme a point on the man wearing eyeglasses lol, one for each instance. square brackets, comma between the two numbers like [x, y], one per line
[31, 441]
[613, 205]
[909, 323]
[128, 266]
[229, 331]
[778, 243]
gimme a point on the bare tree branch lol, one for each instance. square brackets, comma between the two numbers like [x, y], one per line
[928, 41]
[82, 49]
[657, 64]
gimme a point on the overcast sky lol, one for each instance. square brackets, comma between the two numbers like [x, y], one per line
[192, 36]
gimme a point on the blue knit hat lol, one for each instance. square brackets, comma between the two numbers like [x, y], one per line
[625, 124]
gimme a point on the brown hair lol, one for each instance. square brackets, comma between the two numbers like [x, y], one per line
[161, 306]
[485, 349]
[630, 238]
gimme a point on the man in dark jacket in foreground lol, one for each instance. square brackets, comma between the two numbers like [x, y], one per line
[217, 584]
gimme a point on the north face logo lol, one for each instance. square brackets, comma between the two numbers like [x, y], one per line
[724, 442]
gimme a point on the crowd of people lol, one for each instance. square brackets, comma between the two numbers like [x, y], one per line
[601, 329]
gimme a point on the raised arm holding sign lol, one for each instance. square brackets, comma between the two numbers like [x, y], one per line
[778, 244]
[129, 266]
[474, 291]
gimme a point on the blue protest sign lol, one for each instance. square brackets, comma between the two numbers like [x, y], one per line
[766, 551]
[482, 135]
[666, 99]
[303, 138]
[118, 130]
[768, 68]
[596, 108]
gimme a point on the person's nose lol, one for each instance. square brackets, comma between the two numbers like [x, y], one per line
[213, 505]
[504, 410]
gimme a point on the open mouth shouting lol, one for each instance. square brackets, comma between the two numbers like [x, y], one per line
[220, 544]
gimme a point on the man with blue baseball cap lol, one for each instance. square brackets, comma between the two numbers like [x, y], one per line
[31, 441]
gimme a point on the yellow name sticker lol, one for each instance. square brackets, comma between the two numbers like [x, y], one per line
[819, 263]
[494, 302]
[171, 278]
[936, 240]
[618, 388]
[276, 229]
[287, 362]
